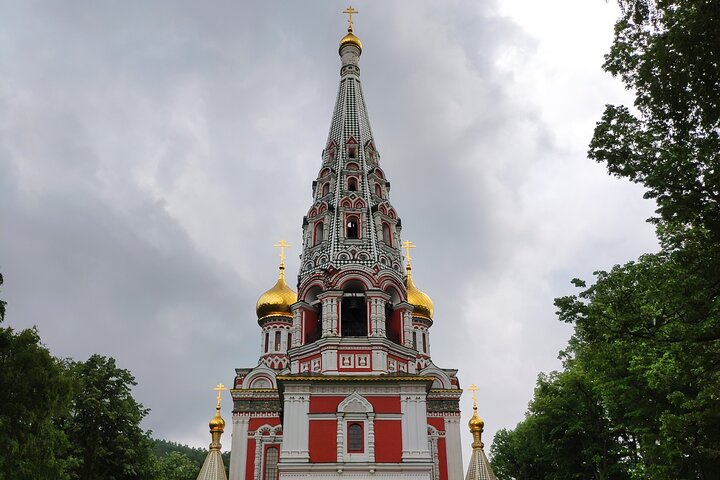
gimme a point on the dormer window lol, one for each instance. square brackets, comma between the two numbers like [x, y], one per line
[352, 184]
[352, 151]
[378, 190]
[325, 188]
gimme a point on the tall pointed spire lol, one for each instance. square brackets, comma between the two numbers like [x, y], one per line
[479, 468]
[213, 467]
[351, 221]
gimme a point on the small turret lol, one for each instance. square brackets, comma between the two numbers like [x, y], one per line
[479, 468]
[213, 467]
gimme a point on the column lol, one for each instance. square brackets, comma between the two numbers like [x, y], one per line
[296, 426]
[453, 449]
[238, 449]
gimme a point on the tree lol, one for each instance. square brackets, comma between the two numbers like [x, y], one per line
[177, 466]
[566, 434]
[104, 425]
[34, 392]
[668, 52]
[647, 333]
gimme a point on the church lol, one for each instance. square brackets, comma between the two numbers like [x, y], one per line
[346, 386]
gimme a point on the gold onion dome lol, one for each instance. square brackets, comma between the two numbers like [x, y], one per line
[350, 39]
[276, 301]
[476, 423]
[217, 424]
[423, 306]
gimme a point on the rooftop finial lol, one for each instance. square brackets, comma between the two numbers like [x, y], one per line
[350, 12]
[282, 245]
[476, 423]
[473, 388]
[407, 245]
[219, 388]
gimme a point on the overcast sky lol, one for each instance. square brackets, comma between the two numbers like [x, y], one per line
[152, 152]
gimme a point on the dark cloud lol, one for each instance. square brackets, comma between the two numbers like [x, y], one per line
[150, 154]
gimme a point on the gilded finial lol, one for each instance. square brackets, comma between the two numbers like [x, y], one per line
[407, 245]
[350, 12]
[219, 388]
[473, 388]
[217, 424]
[476, 423]
[282, 245]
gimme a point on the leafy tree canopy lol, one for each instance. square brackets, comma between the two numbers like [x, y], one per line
[104, 424]
[647, 333]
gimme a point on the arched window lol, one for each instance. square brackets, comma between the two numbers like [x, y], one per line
[277, 341]
[355, 438]
[352, 228]
[387, 236]
[353, 317]
[271, 463]
[352, 184]
[378, 190]
[325, 188]
[267, 341]
[318, 235]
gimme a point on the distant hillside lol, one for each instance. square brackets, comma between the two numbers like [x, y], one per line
[163, 448]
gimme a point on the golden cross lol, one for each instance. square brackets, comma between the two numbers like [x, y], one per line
[473, 388]
[219, 388]
[282, 244]
[407, 245]
[350, 11]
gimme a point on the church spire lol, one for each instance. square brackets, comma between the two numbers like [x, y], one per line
[480, 468]
[351, 221]
[213, 467]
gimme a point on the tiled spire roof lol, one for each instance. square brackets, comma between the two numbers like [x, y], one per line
[351, 187]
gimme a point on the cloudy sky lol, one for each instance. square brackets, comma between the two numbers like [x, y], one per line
[152, 152]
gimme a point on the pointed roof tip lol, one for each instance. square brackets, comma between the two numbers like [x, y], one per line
[213, 467]
[479, 468]
[350, 38]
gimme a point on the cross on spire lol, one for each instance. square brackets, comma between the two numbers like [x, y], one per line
[219, 388]
[350, 12]
[407, 245]
[473, 388]
[282, 245]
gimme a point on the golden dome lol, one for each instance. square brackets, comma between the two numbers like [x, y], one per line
[424, 307]
[476, 423]
[277, 300]
[217, 424]
[350, 39]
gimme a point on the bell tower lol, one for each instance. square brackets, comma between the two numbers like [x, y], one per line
[345, 385]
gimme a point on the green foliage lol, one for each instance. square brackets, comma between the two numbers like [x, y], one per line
[177, 466]
[668, 52]
[76, 420]
[104, 424]
[647, 333]
[565, 435]
[163, 449]
[34, 392]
